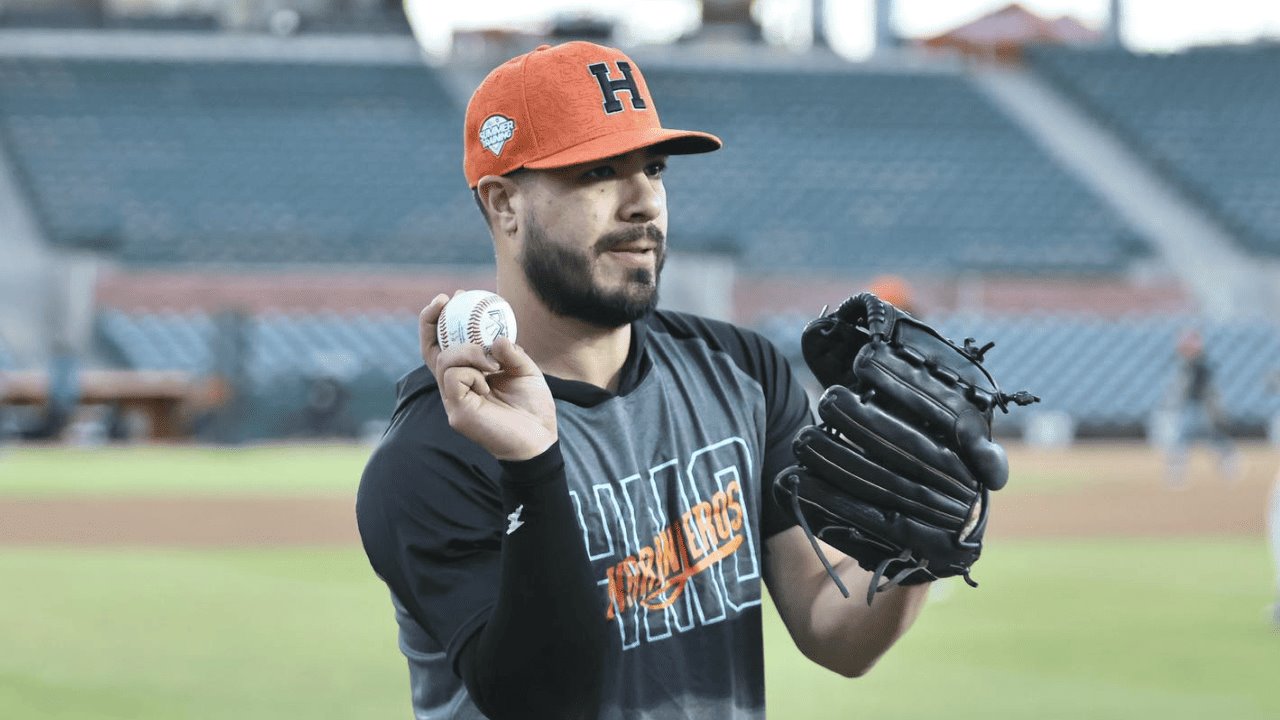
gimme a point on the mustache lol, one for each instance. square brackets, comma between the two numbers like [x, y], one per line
[630, 235]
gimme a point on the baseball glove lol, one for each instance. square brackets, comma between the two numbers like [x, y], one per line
[898, 472]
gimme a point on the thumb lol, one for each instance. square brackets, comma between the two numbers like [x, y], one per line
[513, 359]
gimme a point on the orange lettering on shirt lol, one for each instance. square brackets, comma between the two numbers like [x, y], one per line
[657, 575]
[734, 505]
[708, 533]
[720, 516]
[691, 530]
[668, 553]
[644, 559]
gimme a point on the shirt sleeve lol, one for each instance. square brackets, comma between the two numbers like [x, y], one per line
[486, 557]
[787, 409]
[429, 510]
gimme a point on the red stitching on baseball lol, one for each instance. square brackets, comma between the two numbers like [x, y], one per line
[473, 324]
[442, 329]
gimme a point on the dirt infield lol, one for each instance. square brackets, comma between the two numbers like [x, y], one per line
[1093, 490]
[1119, 490]
[180, 522]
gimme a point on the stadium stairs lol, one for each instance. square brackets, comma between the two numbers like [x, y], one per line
[24, 330]
[1201, 253]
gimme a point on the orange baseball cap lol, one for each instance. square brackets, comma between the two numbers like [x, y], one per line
[564, 105]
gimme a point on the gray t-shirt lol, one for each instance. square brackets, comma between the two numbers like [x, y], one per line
[669, 481]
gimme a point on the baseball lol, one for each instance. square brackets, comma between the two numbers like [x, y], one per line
[475, 316]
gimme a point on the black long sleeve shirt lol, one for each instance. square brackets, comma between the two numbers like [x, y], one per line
[616, 576]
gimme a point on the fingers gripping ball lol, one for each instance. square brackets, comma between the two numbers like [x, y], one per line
[897, 474]
[475, 316]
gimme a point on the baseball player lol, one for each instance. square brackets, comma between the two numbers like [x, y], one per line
[578, 526]
[1198, 414]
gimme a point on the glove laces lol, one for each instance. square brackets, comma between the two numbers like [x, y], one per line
[1022, 397]
[793, 481]
[912, 566]
[875, 586]
[977, 353]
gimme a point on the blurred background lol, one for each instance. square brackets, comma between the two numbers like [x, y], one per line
[219, 219]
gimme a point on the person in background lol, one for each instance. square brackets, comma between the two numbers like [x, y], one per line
[1197, 413]
[896, 291]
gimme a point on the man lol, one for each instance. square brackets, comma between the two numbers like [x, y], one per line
[577, 527]
[1197, 413]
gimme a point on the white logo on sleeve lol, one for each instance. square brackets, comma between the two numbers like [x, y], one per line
[514, 520]
[495, 131]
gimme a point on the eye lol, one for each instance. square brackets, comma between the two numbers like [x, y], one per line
[599, 173]
[655, 168]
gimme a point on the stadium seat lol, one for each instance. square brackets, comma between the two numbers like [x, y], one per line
[1109, 374]
[209, 162]
[243, 162]
[1203, 117]
[876, 171]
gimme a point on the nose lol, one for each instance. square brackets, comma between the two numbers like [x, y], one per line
[643, 199]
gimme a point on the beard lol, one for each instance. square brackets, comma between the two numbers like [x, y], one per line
[561, 277]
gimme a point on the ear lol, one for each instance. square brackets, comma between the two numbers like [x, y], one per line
[501, 198]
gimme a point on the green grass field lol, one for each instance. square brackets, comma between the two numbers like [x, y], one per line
[1081, 629]
[157, 634]
[1100, 628]
[1128, 629]
[182, 470]
[254, 469]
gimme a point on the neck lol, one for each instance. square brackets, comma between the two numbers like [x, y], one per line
[565, 347]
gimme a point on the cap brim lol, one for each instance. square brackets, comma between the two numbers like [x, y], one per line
[672, 142]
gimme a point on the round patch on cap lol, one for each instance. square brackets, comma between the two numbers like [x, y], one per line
[495, 131]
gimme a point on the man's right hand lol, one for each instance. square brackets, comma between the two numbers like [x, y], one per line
[499, 401]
